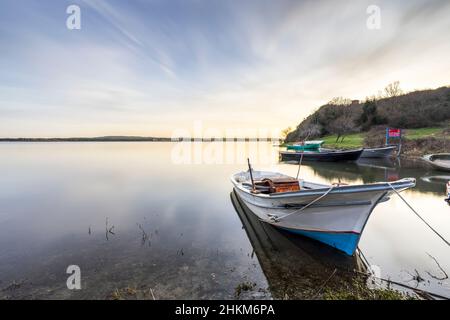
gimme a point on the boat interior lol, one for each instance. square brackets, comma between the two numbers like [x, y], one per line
[270, 184]
[275, 185]
[445, 158]
[439, 156]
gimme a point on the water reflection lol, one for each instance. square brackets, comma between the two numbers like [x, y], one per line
[373, 170]
[395, 239]
[175, 228]
[126, 215]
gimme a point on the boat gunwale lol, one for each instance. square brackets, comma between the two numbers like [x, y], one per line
[401, 184]
[380, 148]
[329, 151]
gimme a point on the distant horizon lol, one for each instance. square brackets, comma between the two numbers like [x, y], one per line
[151, 136]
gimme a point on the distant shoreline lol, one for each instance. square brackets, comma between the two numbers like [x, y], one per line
[132, 139]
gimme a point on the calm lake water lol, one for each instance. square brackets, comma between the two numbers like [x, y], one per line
[176, 231]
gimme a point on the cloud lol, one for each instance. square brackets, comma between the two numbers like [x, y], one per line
[151, 66]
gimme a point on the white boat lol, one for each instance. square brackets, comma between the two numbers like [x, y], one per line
[436, 179]
[333, 214]
[439, 161]
[382, 152]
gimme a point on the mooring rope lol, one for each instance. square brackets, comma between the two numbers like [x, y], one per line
[419, 216]
[301, 156]
[277, 219]
[274, 218]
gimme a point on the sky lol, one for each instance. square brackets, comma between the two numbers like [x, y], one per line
[155, 67]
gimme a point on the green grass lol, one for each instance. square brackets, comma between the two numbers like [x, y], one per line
[350, 141]
[413, 134]
[356, 140]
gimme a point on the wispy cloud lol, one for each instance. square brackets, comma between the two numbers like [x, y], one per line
[121, 22]
[148, 67]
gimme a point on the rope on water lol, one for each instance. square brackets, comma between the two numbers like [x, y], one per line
[419, 216]
[423, 293]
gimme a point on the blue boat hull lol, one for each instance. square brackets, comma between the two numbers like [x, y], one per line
[343, 241]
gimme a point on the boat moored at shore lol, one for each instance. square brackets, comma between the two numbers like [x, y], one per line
[306, 145]
[332, 214]
[381, 152]
[327, 155]
[439, 161]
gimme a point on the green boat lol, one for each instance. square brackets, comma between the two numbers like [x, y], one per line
[306, 146]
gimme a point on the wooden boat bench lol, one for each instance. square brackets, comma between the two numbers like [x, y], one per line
[276, 185]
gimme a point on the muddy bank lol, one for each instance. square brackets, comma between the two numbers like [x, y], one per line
[412, 148]
[420, 147]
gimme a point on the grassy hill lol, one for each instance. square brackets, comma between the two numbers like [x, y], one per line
[340, 117]
[356, 140]
[343, 123]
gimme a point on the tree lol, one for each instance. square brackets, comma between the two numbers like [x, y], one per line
[393, 90]
[285, 132]
[340, 101]
[310, 131]
[369, 115]
[343, 124]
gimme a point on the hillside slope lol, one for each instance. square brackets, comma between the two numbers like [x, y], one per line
[418, 109]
